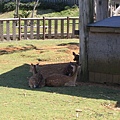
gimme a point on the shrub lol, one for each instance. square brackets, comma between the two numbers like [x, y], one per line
[75, 6]
[67, 7]
[25, 14]
[1, 6]
[10, 6]
[59, 6]
[27, 6]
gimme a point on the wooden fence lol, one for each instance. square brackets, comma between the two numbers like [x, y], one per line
[38, 28]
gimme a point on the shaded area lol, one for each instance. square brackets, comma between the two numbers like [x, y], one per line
[17, 78]
[71, 43]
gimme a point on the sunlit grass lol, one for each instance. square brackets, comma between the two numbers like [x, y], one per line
[19, 102]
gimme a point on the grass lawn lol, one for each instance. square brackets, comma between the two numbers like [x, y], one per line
[19, 102]
[72, 12]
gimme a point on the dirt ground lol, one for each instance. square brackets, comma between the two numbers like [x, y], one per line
[47, 67]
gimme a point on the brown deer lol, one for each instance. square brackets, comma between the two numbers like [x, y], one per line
[57, 80]
[68, 70]
[37, 79]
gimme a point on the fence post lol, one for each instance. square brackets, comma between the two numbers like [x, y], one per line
[43, 28]
[14, 29]
[1, 30]
[62, 28]
[67, 27]
[19, 29]
[31, 29]
[38, 29]
[49, 29]
[56, 28]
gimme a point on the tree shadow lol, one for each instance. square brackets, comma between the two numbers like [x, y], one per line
[71, 43]
[13, 49]
[17, 78]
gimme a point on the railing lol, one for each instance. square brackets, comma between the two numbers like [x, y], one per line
[38, 28]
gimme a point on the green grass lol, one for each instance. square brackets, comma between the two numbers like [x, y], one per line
[72, 12]
[19, 102]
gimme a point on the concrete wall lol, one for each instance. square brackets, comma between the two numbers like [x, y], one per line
[104, 56]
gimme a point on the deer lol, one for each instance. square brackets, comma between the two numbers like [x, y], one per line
[68, 70]
[76, 57]
[36, 80]
[59, 80]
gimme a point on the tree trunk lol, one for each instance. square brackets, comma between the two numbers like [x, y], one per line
[34, 8]
[101, 9]
[86, 16]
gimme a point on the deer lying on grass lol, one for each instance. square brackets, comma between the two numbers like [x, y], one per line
[68, 70]
[37, 79]
[58, 80]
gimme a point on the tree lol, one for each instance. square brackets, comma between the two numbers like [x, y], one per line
[17, 9]
[36, 3]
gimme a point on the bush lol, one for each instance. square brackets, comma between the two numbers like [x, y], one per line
[25, 14]
[59, 6]
[10, 6]
[75, 6]
[1, 7]
[27, 6]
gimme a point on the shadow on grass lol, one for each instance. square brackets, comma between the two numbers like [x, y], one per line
[12, 49]
[71, 43]
[17, 78]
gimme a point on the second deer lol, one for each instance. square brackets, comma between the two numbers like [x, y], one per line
[58, 80]
[36, 80]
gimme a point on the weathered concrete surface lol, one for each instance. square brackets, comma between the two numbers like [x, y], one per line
[104, 53]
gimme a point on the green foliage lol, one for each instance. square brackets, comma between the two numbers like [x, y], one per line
[67, 7]
[1, 7]
[10, 6]
[75, 6]
[27, 6]
[59, 6]
[25, 14]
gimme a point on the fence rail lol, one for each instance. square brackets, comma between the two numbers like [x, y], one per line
[38, 28]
